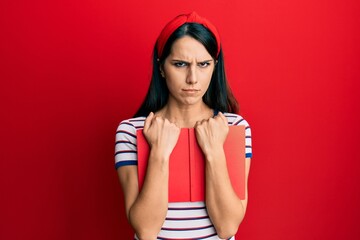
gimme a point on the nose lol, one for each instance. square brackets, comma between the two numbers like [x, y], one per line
[191, 75]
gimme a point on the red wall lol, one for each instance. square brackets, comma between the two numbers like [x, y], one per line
[72, 70]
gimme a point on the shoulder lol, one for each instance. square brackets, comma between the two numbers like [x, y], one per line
[131, 124]
[235, 119]
[128, 127]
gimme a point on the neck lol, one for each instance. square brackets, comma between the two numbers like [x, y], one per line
[186, 116]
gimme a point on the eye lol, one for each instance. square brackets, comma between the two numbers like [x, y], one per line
[180, 64]
[204, 64]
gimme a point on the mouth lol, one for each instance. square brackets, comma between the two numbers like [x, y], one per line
[190, 90]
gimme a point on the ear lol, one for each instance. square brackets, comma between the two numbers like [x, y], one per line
[215, 63]
[162, 71]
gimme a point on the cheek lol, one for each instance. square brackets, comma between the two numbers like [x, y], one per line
[172, 74]
[207, 77]
[172, 83]
[174, 78]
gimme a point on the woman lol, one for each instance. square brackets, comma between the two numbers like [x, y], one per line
[188, 90]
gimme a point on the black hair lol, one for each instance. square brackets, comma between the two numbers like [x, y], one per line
[218, 95]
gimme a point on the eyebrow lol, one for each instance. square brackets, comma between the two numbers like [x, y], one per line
[178, 60]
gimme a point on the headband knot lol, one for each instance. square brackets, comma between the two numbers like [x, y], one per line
[180, 20]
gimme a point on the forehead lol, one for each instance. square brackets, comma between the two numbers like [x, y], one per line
[189, 48]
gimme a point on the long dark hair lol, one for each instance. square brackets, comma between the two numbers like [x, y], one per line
[218, 96]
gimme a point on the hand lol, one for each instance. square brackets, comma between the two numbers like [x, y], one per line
[161, 134]
[211, 134]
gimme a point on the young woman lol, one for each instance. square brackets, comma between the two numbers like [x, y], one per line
[188, 90]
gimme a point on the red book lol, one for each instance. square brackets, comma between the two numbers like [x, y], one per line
[187, 169]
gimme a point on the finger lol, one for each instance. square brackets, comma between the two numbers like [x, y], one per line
[176, 125]
[222, 116]
[148, 121]
[197, 124]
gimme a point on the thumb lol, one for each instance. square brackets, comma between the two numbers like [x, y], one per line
[222, 116]
[147, 122]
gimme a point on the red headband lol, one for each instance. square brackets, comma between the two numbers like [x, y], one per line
[180, 20]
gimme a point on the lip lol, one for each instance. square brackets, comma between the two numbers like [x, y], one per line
[190, 90]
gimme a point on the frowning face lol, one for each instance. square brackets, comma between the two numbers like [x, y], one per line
[187, 70]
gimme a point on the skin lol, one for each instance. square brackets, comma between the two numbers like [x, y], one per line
[187, 70]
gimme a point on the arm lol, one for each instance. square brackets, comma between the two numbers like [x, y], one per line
[225, 209]
[146, 210]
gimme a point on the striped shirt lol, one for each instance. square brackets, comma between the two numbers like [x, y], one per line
[184, 220]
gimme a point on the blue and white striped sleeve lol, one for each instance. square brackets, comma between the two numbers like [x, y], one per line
[235, 119]
[125, 145]
[248, 145]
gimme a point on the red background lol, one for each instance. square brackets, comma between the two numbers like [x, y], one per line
[72, 70]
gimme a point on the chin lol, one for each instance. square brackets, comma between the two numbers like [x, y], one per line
[192, 101]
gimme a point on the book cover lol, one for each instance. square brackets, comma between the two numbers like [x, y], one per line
[187, 164]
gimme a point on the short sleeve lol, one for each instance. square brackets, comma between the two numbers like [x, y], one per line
[234, 119]
[248, 145]
[125, 145]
